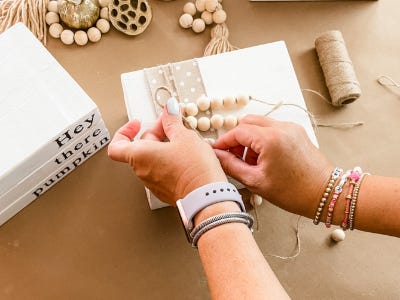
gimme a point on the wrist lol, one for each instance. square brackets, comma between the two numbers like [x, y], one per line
[215, 209]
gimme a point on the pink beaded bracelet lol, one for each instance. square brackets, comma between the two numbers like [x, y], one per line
[354, 178]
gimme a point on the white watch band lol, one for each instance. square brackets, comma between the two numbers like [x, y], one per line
[205, 196]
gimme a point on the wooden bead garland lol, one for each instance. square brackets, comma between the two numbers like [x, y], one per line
[201, 13]
[216, 121]
[80, 37]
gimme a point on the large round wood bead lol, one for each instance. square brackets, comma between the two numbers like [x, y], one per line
[190, 8]
[198, 25]
[52, 6]
[242, 99]
[192, 121]
[67, 37]
[52, 17]
[219, 16]
[211, 5]
[255, 200]
[229, 102]
[104, 13]
[81, 38]
[186, 20]
[206, 16]
[94, 34]
[217, 121]
[191, 109]
[230, 122]
[200, 5]
[217, 103]
[55, 30]
[203, 124]
[203, 103]
[103, 25]
[104, 3]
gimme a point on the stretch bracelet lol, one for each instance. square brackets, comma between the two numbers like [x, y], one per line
[354, 178]
[215, 221]
[354, 201]
[336, 194]
[334, 176]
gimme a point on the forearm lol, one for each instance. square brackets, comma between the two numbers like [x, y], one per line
[234, 265]
[377, 209]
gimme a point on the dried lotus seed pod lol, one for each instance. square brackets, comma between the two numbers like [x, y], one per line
[130, 16]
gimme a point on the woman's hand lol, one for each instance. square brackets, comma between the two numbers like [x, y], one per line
[170, 169]
[281, 164]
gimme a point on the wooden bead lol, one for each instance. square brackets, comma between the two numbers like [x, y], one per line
[186, 21]
[52, 17]
[242, 99]
[191, 109]
[230, 122]
[217, 103]
[103, 25]
[240, 118]
[52, 6]
[104, 13]
[104, 3]
[81, 38]
[255, 200]
[200, 5]
[192, 121]
[190, 8]
[203, 124]
[67, 37]
[229, 102]
[206, 16]
[198, 25]
[203, 103]
[217, 121]
[219, 16]
[338, 235]
[55, 30]
[94, 34]
[211, 5]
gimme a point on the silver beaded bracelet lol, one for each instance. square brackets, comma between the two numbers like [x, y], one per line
[215, 221]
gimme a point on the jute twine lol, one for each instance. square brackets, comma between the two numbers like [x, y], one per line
[340, 77]
[30, 12]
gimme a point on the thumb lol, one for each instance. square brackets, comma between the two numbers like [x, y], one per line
[172, 120]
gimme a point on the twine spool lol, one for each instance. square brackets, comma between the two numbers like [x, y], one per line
[337, 67]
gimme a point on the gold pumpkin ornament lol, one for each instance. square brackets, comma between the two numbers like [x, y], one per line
[79, 14]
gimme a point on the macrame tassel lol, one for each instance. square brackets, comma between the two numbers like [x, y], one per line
[30, 12]
[219, 41]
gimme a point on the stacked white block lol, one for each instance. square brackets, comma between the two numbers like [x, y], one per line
[48, 124]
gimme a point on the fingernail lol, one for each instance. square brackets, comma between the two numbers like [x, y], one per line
[173, 106]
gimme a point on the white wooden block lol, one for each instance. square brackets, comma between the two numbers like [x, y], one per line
[39, 103]
[49, 181]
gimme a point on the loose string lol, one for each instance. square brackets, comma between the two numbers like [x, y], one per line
[387, 81]
[298, 245]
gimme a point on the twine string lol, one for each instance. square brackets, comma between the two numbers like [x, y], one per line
[387, 81]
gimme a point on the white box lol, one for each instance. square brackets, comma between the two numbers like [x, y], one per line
[263, 71]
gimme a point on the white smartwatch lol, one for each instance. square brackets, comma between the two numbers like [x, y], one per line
[205, 196]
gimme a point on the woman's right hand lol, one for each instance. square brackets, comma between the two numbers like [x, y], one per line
[281, 165]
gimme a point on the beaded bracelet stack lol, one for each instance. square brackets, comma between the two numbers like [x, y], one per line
[352, 179]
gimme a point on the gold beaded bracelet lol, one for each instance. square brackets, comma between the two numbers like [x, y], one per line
[334, 176]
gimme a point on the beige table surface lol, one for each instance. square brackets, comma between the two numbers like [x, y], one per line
[93, 236]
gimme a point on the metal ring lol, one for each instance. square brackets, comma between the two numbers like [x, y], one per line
[165, 88]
